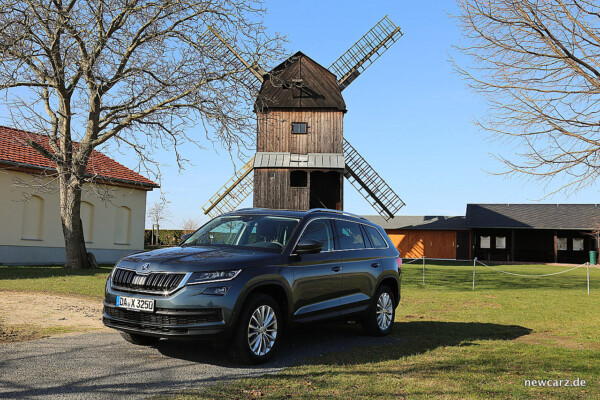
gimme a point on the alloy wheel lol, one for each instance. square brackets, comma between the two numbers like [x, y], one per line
[262, 330]
[384, 311]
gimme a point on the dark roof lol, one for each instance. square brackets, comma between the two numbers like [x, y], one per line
[300, 82]
[16, 154]
[533, 216]
[420, 222]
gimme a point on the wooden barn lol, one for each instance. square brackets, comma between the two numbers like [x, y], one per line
[430, 236]
[563, 233]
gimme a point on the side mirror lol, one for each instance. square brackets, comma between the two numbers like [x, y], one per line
[308, 246]
[185, 237]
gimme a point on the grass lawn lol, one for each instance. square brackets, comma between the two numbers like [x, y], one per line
[86, 282]
[459, 343]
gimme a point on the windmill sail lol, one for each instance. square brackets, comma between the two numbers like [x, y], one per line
[231, 195]
[222, 51]
[365, 51]
[369, 184]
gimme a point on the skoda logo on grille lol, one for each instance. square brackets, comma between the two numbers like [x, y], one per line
[145, 267]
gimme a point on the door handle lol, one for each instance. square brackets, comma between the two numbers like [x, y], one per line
[337, 268]
[375, 265]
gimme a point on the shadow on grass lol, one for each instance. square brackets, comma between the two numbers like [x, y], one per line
[306, 344]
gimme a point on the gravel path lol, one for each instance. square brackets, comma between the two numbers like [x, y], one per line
[103, 366]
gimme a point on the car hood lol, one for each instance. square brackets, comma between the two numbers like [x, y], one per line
[198, 258]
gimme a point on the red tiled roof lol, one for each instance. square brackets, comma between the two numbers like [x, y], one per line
[14, 150]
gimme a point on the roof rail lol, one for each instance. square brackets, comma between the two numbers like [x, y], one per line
[250, 208]
[335, 212]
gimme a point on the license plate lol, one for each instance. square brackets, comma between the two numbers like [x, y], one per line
[133, 303]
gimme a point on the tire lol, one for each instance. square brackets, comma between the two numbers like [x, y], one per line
[381, 314]
[253, 341]
[139, 340]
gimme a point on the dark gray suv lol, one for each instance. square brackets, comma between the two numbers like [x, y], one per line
[248, 275]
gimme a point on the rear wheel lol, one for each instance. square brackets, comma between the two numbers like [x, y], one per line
[139, 340]
[258, 332]
[380, 320]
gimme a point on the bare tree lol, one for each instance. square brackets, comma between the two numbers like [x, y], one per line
[159, 211]
[537, 62]
[86, 73]
[189, 225]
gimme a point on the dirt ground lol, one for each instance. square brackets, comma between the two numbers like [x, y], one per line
[25, 316]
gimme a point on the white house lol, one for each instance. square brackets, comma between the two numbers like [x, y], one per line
[112, 211]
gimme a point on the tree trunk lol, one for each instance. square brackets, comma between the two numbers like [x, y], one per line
[70, 206]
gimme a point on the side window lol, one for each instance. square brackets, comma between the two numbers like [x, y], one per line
[320, 230]
[376, 240]
[349, 235]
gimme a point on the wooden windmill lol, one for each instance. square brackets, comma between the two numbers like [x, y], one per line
[301, 153]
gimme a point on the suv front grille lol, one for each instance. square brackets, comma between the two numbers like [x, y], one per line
[154, 282]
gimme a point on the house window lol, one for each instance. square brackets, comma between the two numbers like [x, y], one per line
[561, 243]
[299, 127]
[298, 179]
[484, 242]
[122, 225]
[33, 217]
[577, 244]
[500, 242]
[87, 220]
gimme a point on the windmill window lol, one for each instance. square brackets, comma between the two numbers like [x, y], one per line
[298, 179]
[577, 244]
[299, 127]
[561, 243]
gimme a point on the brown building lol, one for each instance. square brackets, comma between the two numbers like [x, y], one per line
[430, 236]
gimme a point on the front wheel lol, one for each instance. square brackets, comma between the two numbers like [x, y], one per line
[380, 320]
[258, 332]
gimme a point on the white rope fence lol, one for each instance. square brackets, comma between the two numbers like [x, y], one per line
[476, 261]
[412, 260]
[586, 265]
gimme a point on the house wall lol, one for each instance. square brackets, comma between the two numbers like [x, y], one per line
[31, 230]
[428, 243]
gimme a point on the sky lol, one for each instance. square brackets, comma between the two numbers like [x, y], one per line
[409, 114]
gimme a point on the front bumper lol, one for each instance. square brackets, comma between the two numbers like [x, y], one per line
[186, 313]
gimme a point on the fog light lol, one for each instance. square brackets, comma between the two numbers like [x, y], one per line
[219, 290]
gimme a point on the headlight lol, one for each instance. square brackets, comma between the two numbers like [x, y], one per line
[212, 276]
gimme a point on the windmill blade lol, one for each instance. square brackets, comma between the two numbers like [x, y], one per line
[369, 184]
[365, 51]
[222, 50]
[231, 195]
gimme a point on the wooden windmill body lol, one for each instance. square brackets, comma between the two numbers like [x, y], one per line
[301, 153]
[299, 162]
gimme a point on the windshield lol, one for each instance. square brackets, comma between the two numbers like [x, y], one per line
[262, 231]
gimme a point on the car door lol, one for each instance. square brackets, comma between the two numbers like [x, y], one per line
[360, 263]
[317, 277]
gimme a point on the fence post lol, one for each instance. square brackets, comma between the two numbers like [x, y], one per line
[588, 277]
[423, 270]
[474, 263]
